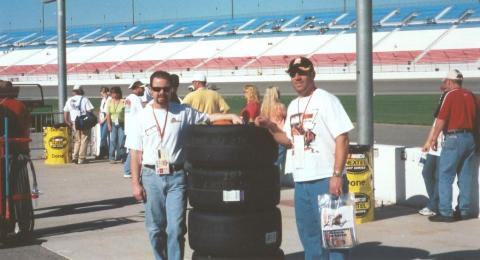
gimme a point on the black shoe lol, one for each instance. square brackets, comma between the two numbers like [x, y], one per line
[440, 218]
[75, 161]
[456, 214]
[467, 217]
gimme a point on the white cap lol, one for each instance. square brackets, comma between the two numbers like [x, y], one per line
[454, 75]
[137, 83]
[191, 88]
[77, 87]
[199, 76]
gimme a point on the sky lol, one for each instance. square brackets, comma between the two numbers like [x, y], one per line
[19, 15]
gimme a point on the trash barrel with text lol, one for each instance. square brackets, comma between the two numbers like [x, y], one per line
[57, 145]
[359, 167]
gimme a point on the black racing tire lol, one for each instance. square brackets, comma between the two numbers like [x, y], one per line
[239, 235]
[278, 255]
[233, 146]
[233, 190]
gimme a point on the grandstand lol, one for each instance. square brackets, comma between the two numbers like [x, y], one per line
[407, 39]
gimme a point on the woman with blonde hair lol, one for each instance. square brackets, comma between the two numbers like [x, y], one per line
[274, 110]
[252, 108]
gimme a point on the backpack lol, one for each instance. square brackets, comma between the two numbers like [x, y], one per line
[86, 121]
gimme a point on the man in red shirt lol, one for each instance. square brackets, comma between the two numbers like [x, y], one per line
[18, 116]
[457, 121]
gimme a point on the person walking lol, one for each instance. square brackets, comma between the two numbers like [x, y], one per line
[133, 105]
[102, 121]
[456, 119]
[116, 124]
[203, 99]
[316, 134]
[252, 108]
[75, 106]
[158, 177]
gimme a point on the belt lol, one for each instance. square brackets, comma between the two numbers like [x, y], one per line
[458, 131]
[173, 167]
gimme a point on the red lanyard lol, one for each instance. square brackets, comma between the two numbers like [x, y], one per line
[304, 111]
[160, 131]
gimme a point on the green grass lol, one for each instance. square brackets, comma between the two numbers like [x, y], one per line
[390, 109]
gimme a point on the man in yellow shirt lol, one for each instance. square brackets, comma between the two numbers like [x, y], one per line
[203, 99]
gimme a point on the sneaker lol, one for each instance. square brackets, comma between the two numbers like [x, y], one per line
[127, 176]
[80, 161]
[427, 212]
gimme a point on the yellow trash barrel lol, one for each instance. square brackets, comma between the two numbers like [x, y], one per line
[57, 145]
[359, 169]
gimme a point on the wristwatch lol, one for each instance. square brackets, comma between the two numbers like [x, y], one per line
[337, 174]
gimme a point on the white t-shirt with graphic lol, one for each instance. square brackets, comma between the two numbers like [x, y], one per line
[320, 118]
[133, 106]
[74, 107]
[147, 138]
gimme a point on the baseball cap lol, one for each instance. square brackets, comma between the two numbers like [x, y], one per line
[77, 87]
[191, 88]
[300, 64]
[454, 75]
[199, 76]
[135, 84]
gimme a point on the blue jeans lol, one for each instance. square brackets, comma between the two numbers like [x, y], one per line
[430, 177]
[165, 209]
[126, 165]
[104, 139]
[117, 143]
[308, 216]
[458, 156]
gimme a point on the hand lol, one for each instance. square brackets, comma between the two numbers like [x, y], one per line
[426, 147]
[138, 192]
[433, 145]
[261, 121]
[236, 120]
[336, 184]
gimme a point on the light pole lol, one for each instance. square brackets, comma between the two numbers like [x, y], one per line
[232, 7]
[61, 50]
[133, 12]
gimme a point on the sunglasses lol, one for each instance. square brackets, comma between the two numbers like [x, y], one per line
[299, 72]
[158, 89]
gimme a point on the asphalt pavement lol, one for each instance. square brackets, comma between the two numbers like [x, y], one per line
[87, 212]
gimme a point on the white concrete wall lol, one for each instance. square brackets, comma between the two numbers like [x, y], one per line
[251, 47]
[204, 49]
[460, 39]
[86, 53]
[16, 56]
[299, 45]
[160, 51]
[409, 40]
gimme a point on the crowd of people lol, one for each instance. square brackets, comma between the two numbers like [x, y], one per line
[145, 132]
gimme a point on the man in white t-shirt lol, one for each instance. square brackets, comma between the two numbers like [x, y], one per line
[133, 106]
[156, 148]
[316, 133]
[76, 106]
[430, 170]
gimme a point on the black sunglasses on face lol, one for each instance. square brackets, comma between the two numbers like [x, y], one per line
[158, 89]
[299, 72]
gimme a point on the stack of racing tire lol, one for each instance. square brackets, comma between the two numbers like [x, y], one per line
[233, 187]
